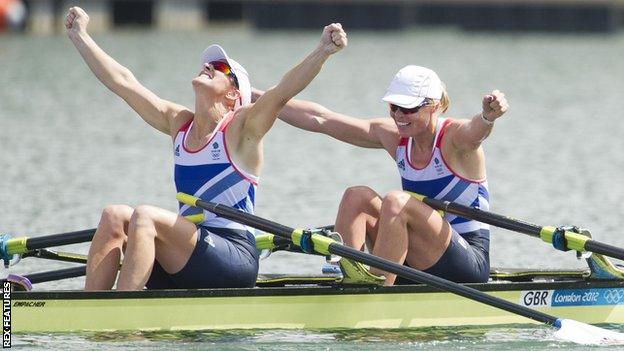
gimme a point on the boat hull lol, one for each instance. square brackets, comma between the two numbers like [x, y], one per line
[308, 307]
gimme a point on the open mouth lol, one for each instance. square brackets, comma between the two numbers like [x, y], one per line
[403, 124]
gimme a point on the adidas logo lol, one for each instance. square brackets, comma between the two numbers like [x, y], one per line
[177, 150]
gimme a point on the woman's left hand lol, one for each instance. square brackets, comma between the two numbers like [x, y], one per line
[494, 105]
[76, 21]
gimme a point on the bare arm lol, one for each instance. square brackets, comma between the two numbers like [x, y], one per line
[316, 118]
[117, 78]
[261, 116]
[470, 135]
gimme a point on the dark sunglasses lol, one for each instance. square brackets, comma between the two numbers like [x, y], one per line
[406, 111]
[224, 68]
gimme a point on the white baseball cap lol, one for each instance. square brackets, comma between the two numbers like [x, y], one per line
[412, 85]
[216, 53]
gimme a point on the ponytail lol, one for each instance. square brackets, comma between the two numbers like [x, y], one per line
[445, 101]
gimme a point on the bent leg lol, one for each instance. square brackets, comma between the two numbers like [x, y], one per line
[357, 216]
[106, 247]
[155, 234]
[410, 231]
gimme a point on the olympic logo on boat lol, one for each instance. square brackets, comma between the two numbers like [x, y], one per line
[613, 296]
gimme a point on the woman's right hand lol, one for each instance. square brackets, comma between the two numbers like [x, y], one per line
[333, 39]
[76, 21]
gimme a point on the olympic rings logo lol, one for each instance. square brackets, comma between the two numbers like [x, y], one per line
[613, 296]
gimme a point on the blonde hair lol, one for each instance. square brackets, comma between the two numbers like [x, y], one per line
[443, 103]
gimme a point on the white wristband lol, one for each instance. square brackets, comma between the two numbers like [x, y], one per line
[485, 120]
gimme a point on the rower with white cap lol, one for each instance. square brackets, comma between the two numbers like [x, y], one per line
[437, 157]
[217, 149]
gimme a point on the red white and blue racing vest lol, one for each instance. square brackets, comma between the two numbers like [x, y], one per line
[210, 175]
[437, 180]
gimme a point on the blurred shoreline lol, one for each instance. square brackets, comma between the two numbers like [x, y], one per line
[44, 17]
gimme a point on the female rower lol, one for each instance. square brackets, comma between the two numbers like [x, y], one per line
[437, 157]
[218, 157]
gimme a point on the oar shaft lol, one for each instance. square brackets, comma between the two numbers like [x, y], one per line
[60, 239]
[575, 241]
[604, 249]
[57, 274]
[57, 256]
[25, 244]
[484, 216]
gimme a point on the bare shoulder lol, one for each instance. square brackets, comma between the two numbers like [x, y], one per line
[453, 124]
[386, 131]
[384, 124]
[454, 135]
[179, 116]
[384, 127]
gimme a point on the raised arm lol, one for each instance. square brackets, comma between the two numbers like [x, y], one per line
[469, 135]
[316, 118]
[117, 78]
[261, 116]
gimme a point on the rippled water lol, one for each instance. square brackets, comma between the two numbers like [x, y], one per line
[69, 147]
[471, 338]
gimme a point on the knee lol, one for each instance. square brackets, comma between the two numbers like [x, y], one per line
[143, 216]
[142, 213]
[394, 204]
[356, 197]
[113, 221]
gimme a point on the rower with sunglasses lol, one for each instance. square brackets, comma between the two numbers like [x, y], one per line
[217, 149]
[437, 157]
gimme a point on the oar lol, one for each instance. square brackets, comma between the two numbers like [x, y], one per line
[25, 282]
[12, 246]
[57, 256]
[58, 274]
[568, 329]
[16, 246]
[559, 238]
